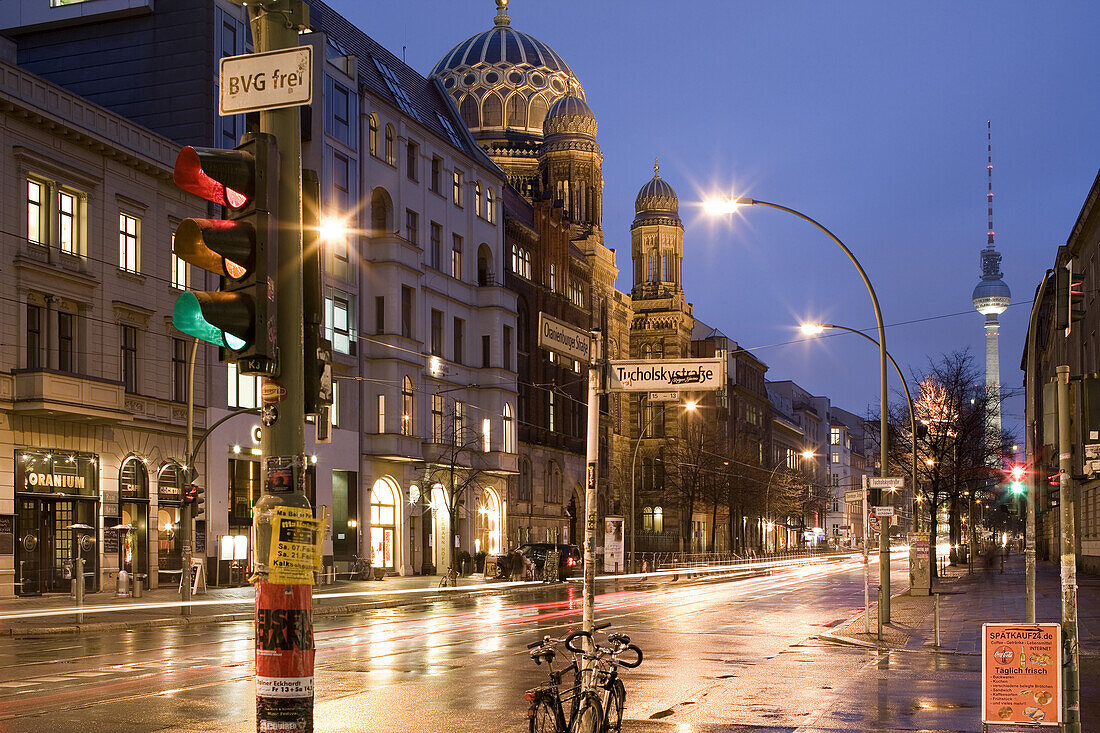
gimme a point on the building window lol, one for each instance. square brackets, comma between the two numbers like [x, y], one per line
[653, 519]
[486, 351]
[456, 187]
[477, 197]
[437, 173]
[181, 270]
[36, 211]
[437, 333]
[128, 343]
[576, 294]
[406, 311]
[244, 490]
[339, 322]
[334, 410]
[66, 212]
[128, 242]
[381, 413]
[244, 391]
[412, 226]
[372, 135]
[523, 489]
[66, 353]
[509, 429]
[435, 245]
[459, 340]
[551, 412]
[834, 436]
[521, 261]
[553, 278]
[835, 458]
[553, 483]
[34, 336]
[379, 314]
[489, 215]
[407, 407]
[412, 160]
[456, 256]
[179, 370]
[341, 113]
[486, 435]
[507, 348]
[391, 155]
[459, 427]
[437, 418]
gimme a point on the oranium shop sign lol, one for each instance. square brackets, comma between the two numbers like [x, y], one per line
[680, 375]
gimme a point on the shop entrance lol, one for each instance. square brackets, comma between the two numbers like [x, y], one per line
[48, 544]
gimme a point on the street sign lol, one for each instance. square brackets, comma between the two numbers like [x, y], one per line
[562, 338]
[1022, 674]
[680, 375]
[884, 511]
[853, 497]
[256, 81]
[885, 482]
[663, 396]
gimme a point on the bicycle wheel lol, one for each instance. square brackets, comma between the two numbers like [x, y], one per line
[588, 717]
[616, 700]
[544, 715]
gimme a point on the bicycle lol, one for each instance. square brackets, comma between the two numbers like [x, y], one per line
[547, 703]
[450, 578]
[360, 567]
[602, 666]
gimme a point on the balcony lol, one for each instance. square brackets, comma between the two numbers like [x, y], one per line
[42, 393]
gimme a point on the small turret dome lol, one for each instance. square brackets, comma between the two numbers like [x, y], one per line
[657, 202]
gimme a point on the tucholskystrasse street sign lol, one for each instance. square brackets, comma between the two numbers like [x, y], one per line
[885, 482]
[259, 81]
[562, 338]
[667, 375]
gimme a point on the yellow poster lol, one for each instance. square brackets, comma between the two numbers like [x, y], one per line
[295, 546]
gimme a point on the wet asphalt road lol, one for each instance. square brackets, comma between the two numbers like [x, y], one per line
[734, 656]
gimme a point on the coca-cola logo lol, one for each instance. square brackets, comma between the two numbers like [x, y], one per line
[1003, 655]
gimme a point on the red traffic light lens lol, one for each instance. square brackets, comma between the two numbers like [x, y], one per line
[198, 172]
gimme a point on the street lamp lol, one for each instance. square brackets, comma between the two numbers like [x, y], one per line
[813, 329]
[689, 406]
[728, 205]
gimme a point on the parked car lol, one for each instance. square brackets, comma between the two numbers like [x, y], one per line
[569, 557]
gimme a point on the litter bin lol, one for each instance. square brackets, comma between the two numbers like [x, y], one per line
[139, 584]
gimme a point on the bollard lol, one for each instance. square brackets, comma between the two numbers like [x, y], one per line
[936, 617]
[122, 585]
[78, 580]
[879, 613]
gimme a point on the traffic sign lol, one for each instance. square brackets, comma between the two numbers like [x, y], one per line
[885, 482]
[256, 81]
[562, 338]
[874, 523]
[853, 497]
[681, 375]
[884, 511]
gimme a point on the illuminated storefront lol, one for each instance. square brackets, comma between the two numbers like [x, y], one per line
[169, 495]
[133, 491]
[384, 500]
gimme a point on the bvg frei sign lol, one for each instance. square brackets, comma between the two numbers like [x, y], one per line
[679, 375]
[256, 81]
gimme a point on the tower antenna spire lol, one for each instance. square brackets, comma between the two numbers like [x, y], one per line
[989, 170]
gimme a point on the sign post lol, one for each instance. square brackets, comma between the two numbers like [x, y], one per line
[885, 483]
[866, 561]
[1022, 675]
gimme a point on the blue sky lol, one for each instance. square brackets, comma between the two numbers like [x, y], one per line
[867, 116]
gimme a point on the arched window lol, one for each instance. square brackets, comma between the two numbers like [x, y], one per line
[170, 483]
[407, 407]
[468, 109]
[484, 265]
[477, 197]
[133, 479]
[553, 483]
[489, 215]
[381, 213]
[658, 519]
[523, 487]
[539, 108]
[384, 502]
[487, 522]
[391, 154]
[647, 519]
[492, 111]
[516, 111]
[509, 429]
[372, 135]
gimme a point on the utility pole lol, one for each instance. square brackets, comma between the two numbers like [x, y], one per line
[592, 448]
[284, 595]
[1066, 503]
[189, 476]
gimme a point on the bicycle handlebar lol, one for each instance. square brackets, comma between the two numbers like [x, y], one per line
[636, 663]
[576, 634]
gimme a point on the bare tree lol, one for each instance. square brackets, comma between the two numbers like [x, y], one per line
[693, 464]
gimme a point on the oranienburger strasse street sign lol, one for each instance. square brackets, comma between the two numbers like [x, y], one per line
[562, 338]
[853, 497]
[885, 482]
[666, 375]
[257, 81]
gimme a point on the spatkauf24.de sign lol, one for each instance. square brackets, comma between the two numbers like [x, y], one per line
[680, 375]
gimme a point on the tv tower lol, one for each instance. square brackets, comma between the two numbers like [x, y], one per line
[991, 297]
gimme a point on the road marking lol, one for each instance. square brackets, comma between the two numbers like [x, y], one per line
[16, 684]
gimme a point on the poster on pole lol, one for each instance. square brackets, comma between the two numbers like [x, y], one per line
[295, 546]
[667, 375]
[613, 544]
[1022, 674]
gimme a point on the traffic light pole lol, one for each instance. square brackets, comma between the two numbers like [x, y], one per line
[284, 638]
[1066, 503]
[185, 508]
[591, 517]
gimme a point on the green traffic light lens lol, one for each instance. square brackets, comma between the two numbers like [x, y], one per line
[1016, 487]
[187, 317]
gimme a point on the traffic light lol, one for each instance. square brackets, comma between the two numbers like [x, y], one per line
[196, 496]
[1016, 483]
[1069, 297]
[240, 315]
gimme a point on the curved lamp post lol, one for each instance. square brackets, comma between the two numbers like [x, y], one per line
[689, 406]
[812, 329]
[729, 205]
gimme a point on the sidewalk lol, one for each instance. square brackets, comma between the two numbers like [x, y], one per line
[55, 613]
[969, 600]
